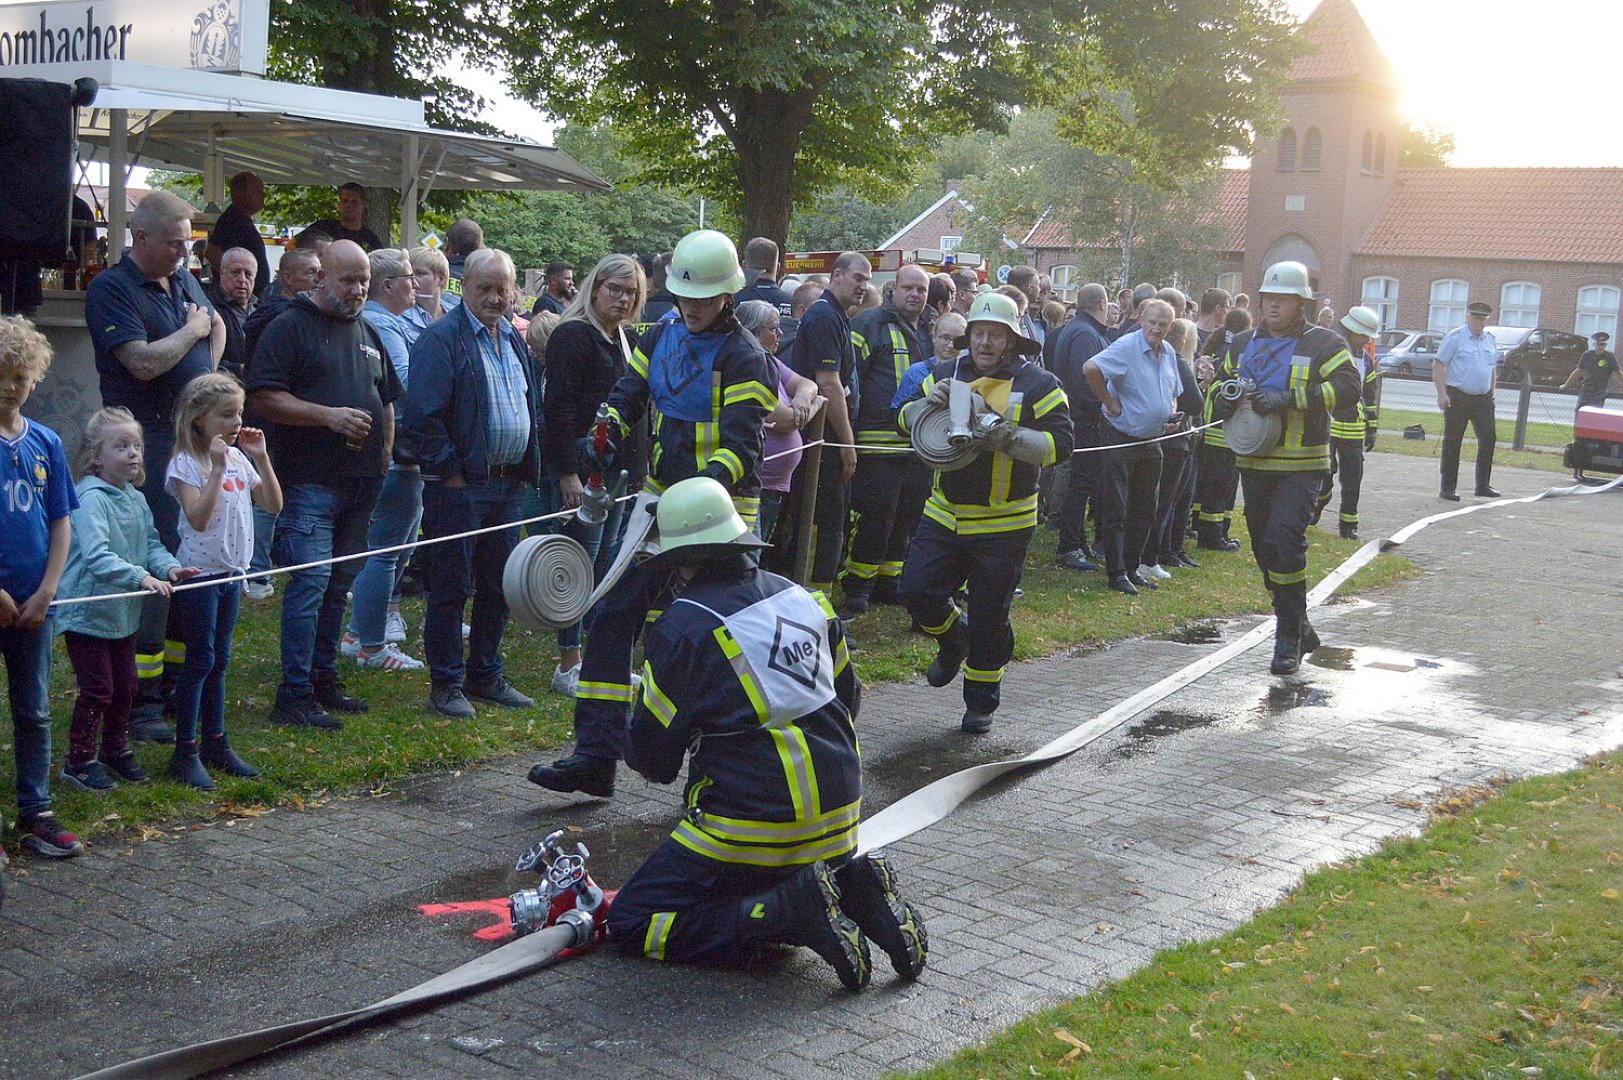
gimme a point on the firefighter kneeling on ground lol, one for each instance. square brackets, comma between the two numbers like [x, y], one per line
[751, 672]
[979, 520]
[1302, 373]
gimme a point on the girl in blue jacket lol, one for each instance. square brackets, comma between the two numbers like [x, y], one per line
[115, 548]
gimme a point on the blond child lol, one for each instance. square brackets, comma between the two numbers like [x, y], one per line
[115, 549]
[36, 499]
[219, 471]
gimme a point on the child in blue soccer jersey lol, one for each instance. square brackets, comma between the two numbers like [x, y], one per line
[36, 497]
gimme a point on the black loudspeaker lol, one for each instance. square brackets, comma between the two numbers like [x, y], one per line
[37, 144]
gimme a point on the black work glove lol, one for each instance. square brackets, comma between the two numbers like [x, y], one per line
[1369, 439]
[591, 462]
[1266, 401]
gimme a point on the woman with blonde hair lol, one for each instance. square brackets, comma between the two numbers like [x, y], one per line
[586, 354]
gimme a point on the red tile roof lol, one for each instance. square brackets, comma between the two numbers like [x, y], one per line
[1228, 211]
[1346, 48]
[1533, 215]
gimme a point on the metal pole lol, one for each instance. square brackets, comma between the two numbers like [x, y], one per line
[811, 467]
[118, 148]
[1522, 405]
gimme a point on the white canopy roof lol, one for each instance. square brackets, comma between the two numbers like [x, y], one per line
[293, 134]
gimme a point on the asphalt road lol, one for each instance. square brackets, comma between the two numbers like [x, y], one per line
[1418, 395]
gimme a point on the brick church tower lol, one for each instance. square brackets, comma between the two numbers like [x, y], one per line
[1320, 183]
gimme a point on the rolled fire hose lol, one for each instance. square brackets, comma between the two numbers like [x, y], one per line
[944, 437]
[1248, 432]
[911, 814]
[547, 581]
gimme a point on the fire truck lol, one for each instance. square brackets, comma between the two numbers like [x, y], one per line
[803, 264]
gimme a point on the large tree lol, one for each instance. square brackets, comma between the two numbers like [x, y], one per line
[764, 103]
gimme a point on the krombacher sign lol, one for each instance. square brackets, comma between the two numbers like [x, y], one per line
[204, 35]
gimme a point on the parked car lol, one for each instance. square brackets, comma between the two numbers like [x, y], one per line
[1411, 354]
[1549, 354]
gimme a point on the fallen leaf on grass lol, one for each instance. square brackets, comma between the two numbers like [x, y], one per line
[1286, 1008]
[1610, 894]
[1078, 1047]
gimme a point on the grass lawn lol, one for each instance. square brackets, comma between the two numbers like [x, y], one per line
[1544, 441]
[398, 737]
[1489, 947]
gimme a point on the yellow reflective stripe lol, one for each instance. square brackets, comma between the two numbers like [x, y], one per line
[174, 652]
[696, 840]
[937, 631]
[798, 770]
[1050, 401]
[890, 569]
[881, 437]
[842, 656]
[745, 830]
[149, 665]
[823, 603]
[863, 570]
[739, 393]
[861, 342]
[604, 691]
[639, 363]
[735, 467]
[983, 675]
[975, 519]
[1287, 579]
[656, 700]
[741, 670]
[659, 931]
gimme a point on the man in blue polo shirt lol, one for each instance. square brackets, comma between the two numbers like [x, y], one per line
[1464, 374]
[153, 331]
[1136, 381]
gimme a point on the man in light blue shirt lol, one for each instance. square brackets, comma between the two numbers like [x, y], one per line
[1464, 374]
[1136, 380]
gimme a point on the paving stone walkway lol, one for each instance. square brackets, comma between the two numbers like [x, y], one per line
[1501, 658]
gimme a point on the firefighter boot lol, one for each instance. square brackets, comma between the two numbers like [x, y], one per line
[857, 599]
[805, 910]
[1310, 637]
[1290, 608]
[868, 895]
[577, 772]
[951, 647]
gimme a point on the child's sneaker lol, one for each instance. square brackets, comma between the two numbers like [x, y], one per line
[566, 682]
[91, 776]
[126, 768]
[350, 645]
[259, 589]
[394, 627]
[44, 835]
[388, 658]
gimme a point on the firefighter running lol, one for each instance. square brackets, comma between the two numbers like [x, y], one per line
[1301, 373]
[1353, 424]
[751, 672]
[979, 520]
[709, 388]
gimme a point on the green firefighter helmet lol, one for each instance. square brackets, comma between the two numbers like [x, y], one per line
[697, 520]
[1362, 320]
[1287, 278]
[994, 307]
[704, 264]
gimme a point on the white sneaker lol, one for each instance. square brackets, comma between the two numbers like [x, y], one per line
[1154, 572]
[566, 682]
[394, 627]
[259, 589]
[466, 630]
[388, 658]
[350, 645]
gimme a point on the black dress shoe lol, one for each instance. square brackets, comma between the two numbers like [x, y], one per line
[331, 696]
[1141, 581]
[577, 772]
[1451, 496]
[1486, 493]
[1179, 558]
[1122, 584]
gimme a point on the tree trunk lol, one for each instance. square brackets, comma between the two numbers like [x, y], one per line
[370, 71]
[766, 134]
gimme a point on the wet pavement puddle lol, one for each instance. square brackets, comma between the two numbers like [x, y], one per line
[1204, 632]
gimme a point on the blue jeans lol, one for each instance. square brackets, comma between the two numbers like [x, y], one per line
[539, 500]
[395, 518]
[590, 537]
[318, 521]
[458, 569]
[27, 656]
[264, 530]
[207, 618]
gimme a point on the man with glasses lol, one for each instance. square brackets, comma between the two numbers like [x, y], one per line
[153, 331]
[1464, 373]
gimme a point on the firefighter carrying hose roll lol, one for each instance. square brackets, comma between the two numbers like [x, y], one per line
[751, 672]
[979, 519]
[709, 387]
[1303, 373]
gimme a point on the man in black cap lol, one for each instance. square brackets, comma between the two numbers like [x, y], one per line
[1465, 373]
[1594, 372]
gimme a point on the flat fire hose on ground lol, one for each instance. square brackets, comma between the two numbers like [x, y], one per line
[909, 815]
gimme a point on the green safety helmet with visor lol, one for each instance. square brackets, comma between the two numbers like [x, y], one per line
[697, 522]
[704, 264]
[994, 307]
[1287, 278]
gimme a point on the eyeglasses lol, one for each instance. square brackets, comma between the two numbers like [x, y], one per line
[619, 292]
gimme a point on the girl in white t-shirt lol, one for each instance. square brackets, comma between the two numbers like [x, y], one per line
[218, 467]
